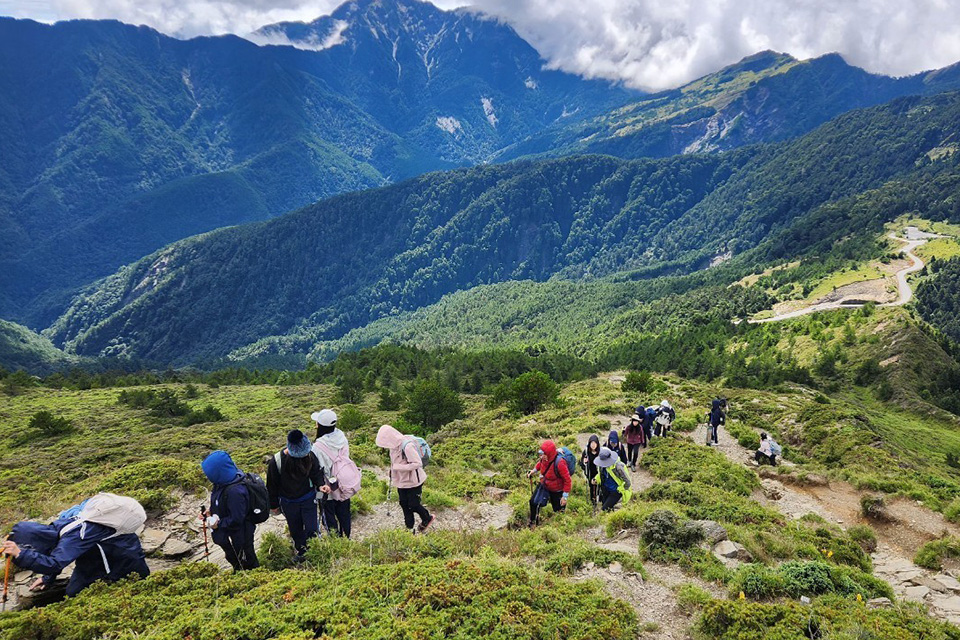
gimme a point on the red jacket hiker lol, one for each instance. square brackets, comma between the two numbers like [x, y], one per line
[556, 477]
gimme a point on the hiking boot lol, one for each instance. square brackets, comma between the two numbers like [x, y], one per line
[424, 525]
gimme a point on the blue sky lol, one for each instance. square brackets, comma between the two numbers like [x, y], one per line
[649, 44]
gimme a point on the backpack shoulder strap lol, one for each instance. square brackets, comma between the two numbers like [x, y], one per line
[329, 452]
[277, 458]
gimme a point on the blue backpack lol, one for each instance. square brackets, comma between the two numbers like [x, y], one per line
[566, 455]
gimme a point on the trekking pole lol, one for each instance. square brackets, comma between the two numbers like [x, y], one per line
[203, 520]
[6, 577]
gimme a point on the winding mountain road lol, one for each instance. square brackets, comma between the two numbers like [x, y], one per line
[914, 239]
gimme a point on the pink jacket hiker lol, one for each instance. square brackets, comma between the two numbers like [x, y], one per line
[408, 473]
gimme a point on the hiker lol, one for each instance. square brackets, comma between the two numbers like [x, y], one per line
[342, 474]
[101, 551]
[613, 443]
[717, 417]
[229, 505]
[635, 438]
[589, 467]
[765, 454]
[294, 476]
[649, 418]
[613, 479]
[554, 478]
[407, 475]
[664, 420]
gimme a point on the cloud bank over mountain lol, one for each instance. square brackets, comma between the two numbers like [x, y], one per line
[646, 44]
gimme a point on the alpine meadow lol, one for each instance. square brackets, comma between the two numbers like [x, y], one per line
[386, 324]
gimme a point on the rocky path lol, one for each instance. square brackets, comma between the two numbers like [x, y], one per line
[839, 502]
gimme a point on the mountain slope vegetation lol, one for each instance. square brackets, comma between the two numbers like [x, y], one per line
[103, 119]
[404, 247]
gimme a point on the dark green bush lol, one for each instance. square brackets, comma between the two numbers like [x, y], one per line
[931, 554]
[664, 530]
[637, 382]
[49, 425]
[432, 405]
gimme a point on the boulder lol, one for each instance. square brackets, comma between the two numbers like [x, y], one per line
[731, 550]
[174, 548]
[879, 603]
[713, 532]
[947, 581]
[929, 583]
[153, 539]
[771, 491]
[615, 567]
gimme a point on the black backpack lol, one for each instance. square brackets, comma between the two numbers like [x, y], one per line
[258, 500]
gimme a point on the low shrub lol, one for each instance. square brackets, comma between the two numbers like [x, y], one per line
[151, 482]
[932, 554]
[864, 536]
[467, 598]
[665, 530]
[690, 597]
[875, 508]
[637, 382]
[805, 578]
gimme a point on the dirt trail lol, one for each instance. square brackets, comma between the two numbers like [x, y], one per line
[839, 502]
[851, 296]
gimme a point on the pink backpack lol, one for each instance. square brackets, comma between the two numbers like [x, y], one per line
[344, 470]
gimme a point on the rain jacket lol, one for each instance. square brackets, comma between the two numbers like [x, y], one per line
[228, 499]
[717, 416]
[587, 458]
[556, 477]
[618, 480]
[98, 556]
[634, 434]
[293, 481]
[613, 443]
[406, 468]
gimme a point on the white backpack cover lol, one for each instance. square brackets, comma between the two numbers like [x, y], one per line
[122, 514]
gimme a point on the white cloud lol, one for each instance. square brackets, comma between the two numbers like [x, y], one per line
[652, 44]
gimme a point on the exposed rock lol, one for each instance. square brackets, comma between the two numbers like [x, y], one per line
[916, 594]
[713, 532]
[930, 583]
[878, 603]
[615, 567]
[909, 575]
[950, 605]
[947, 582]
[730, 549]
[153, 539]
[495, 493]
[174, 548]
[182, 518]
[770, 491]
[22, 576]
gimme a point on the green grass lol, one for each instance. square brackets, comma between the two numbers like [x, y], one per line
[939, 248]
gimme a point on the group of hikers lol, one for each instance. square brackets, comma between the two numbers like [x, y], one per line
[604, 466]
[311, 485]
[308, 483]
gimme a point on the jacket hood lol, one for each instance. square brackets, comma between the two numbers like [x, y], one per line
[549, 448]
[717, 404]
[388, 437]
[613, 438]
[593, 439]
[335, 440]
[219, 468]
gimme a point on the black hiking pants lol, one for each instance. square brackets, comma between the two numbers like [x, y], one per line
[239, 551]
[633, 452]
[336, 516]
[410, 504]
[555, 498]
[763, 458]
[609, 498]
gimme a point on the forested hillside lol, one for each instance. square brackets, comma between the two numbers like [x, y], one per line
[316, 274]
[118, 140]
